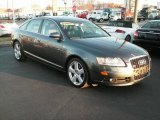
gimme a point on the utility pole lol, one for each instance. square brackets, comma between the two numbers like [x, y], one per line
[126, 8]
[7, 9]
[13, 12]
[136, 10]
[52, 8]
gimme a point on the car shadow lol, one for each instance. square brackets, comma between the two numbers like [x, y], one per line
[33, 70]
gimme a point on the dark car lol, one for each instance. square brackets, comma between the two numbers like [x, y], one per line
[149, 35]
[82, 49]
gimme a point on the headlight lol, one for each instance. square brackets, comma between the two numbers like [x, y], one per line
[110, 61]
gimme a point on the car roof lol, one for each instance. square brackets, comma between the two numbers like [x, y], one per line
[64, 18]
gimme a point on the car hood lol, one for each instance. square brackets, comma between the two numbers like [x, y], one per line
[110, 47]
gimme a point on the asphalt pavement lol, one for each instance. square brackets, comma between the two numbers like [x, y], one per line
[33, 91]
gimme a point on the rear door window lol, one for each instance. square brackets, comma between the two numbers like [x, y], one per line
[34, 26]
[24, 26]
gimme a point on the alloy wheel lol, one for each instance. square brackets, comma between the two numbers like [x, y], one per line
[17, 50]
[76, 73]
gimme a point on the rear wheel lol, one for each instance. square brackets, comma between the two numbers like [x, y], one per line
[77, 73]
[18, 52]
[128, 38]
[101, 20]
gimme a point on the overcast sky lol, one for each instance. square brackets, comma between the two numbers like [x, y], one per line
[27, 3]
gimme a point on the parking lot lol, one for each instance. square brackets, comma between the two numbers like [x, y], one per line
[33, 91]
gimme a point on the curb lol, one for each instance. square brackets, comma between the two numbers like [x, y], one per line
[5, 44]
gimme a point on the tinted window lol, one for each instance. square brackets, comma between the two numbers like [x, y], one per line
[23, 27]
[147, 25]
[49, 27]
[34, 25]
[153, 25]
[120, 24]
[158, 25]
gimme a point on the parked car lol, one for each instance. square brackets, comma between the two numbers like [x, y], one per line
[98, 15]
[6, 28]
[83, 15]
[149, 35]
[92, 15]
[153, 14]
[121, 29]
[83, 50]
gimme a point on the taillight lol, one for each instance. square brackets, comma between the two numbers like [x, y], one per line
[120, 31]
[135, 34]
[1, 26]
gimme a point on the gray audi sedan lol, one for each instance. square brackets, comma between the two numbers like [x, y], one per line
[83, 50]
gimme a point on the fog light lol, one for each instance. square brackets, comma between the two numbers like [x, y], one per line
[104, 73]
[112, 80]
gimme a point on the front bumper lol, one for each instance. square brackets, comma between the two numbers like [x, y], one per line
[121, 76]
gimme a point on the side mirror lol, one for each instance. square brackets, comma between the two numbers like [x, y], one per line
[55, 35]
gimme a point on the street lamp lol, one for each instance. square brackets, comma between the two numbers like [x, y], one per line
[65, 3]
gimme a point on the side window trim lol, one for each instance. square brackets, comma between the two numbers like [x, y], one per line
[26, 25]
[40, 27]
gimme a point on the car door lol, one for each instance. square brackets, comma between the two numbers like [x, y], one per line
[50, 49]
[30, 36]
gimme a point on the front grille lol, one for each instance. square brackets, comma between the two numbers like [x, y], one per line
[141, 66]
[139, 62]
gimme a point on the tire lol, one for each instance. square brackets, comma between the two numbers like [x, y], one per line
[77, 73]
[91, 19]
[128, 38]
[101, 20]
[18, 52]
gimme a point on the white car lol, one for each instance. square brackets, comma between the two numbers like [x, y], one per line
[121, 29]
[6, 28]
[153, 14]
[92, 15]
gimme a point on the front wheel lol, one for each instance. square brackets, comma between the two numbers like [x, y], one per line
[18, 52]
[77, 73]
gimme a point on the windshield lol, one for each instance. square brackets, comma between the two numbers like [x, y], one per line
[82, 30]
